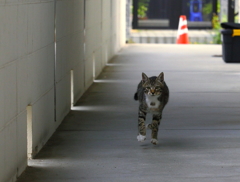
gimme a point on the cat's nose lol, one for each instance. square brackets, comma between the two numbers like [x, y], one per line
[152, 91]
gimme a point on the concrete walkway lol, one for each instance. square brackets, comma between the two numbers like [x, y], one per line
[170, 36]
[199, 137]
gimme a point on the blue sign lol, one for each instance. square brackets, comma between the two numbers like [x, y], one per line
[196, 10]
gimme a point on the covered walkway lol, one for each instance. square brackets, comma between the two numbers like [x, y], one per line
[199, 136]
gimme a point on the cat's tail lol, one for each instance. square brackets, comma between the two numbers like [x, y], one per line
[136, 96]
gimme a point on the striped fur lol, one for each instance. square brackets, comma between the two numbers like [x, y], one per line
[152, 94]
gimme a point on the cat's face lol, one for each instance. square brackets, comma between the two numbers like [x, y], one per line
[153, 86]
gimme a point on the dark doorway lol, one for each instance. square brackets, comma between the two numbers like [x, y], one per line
[231, 10]
[164, 14]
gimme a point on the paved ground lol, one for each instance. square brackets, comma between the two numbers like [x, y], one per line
[170, 36]
[199, 137]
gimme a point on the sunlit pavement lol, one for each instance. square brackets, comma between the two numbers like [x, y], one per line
[199, 136]
[170, 36]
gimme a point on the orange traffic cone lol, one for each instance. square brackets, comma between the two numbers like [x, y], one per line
[182, 35]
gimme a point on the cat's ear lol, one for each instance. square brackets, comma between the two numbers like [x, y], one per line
[144, 78]
[161, 77]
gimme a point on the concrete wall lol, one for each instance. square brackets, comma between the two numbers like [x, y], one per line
[32, 76]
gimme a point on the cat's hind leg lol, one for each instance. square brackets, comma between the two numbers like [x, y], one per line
[141, 126]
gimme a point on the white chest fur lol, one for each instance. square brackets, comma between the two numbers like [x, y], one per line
[152, 101]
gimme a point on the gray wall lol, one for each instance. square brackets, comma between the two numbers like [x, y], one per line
[29, 75]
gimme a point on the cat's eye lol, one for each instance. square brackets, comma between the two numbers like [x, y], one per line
[148, 88]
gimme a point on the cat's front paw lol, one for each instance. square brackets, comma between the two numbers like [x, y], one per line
[141, 138]
[154, 141]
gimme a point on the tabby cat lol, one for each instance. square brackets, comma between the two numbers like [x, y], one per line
[153, 95]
